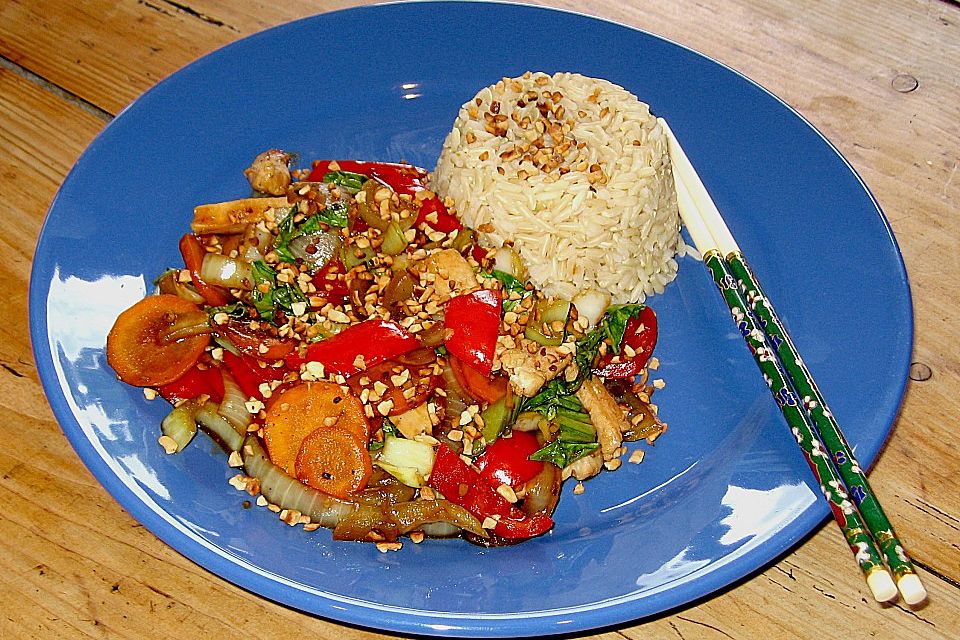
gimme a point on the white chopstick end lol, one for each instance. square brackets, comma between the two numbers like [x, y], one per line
[912, 589]
[881, 585]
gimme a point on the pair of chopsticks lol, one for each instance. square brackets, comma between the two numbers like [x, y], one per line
[855, 507]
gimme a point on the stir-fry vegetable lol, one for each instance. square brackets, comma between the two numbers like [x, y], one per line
[193, 253]
[635, 342]
[194, 383]
[465, 486]
[358, 347]
[250, 373]
[137, 351]
[299, 410]
[335, 461]
[473, 321]
[378, 371]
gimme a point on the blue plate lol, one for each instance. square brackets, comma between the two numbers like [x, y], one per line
[720, 496]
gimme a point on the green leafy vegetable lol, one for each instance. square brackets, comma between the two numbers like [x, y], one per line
[563, 453]
[334, 215]
[278, 297]
[510, 285]
[575, 426]
[346, 180]
[556, 394]
[559, 394]
[614, 322]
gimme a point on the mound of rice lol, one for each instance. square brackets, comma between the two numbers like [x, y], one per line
[575, 172]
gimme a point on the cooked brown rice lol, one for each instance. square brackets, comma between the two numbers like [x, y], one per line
[576, 172]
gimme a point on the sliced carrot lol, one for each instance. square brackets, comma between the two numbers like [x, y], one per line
[134, 348]
[334, 461]
[303, 408]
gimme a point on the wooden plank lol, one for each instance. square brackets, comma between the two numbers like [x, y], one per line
[34, 157]
[108, 52]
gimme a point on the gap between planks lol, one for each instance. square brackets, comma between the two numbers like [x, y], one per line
[57, 90]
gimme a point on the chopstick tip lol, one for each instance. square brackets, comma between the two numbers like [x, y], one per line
[912, 589]
[881, 585]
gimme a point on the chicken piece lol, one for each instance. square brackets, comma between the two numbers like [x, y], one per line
[585, 467]
[449, 274]
[530, 366]
[606, 416]
[415, 422]
[232, 216]
[270, 172]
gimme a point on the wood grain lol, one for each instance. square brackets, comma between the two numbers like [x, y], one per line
[75, 565]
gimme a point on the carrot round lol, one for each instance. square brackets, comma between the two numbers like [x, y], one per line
[334, 461]
[134, 348]
[301, 409]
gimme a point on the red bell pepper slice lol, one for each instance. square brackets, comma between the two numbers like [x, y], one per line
[193, 252]
[445, 221]
[473, 321]
[248, 373]
[375, 340]
[507, 460]
[519, 528]
[479, 253]
[405, 179]
[195, 382]
[255, 343]
[461, 484]
[641, 335]
[334, 289]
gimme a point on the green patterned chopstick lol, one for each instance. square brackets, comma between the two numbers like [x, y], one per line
[712, 237]
[844, 512]
[853, 476]
[831, 484]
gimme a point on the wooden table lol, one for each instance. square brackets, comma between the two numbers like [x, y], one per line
[879, 78]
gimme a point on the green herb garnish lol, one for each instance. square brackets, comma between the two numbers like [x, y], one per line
[236, 310]
[510, 284]
[563, 453]
[278, 297]
[346, 180]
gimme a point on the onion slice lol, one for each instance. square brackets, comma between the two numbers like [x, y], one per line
[229, 435]
[224, 271]
[186, 325]
[289, 493]
[412, 515]
[440, 529]
[234, 407]
[315, 249]
[543, 491]
[456, 396]
[169, 283]
[180, 425]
